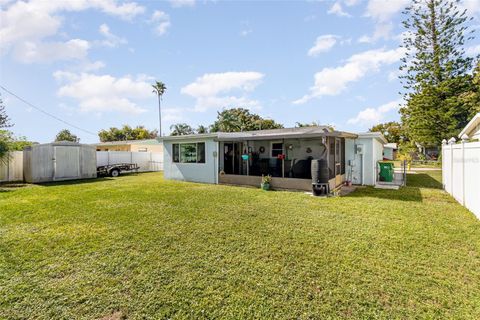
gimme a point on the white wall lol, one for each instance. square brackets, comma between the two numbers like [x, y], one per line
[147, 161]
[461, 173]
[364, 165]
[12, 170]
[197, 172]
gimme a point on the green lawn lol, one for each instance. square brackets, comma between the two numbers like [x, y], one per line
[141, 247]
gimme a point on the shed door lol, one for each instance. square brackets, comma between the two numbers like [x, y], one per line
[66, 162]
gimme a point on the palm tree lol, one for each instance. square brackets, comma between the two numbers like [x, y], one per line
[159, 89]
[181, 129]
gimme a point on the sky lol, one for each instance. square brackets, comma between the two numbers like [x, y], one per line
[91, 63]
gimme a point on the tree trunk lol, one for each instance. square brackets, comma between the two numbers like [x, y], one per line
[159, 116]
[435, 47]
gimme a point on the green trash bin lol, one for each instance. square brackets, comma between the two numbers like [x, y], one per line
[386, 171]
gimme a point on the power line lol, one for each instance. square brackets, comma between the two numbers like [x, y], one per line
[45, 112]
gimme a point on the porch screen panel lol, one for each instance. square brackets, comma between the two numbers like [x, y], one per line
[201, 152]
[188, 152]
[175, 152]
[343, 155]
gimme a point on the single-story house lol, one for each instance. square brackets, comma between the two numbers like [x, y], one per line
[472, 129]
[390, 151]
[149, 145]
[243, 157]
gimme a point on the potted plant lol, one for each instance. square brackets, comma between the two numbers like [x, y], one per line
[265, 185]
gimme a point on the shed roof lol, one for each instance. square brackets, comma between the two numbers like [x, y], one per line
[285, 133]
[374, 135]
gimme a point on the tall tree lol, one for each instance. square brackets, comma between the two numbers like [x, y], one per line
[307, 124]
[181, 129]
[435, 70]
[66, 135]
[126, 133]
[4, 120]
[202, 129]
[159, 89]
[472, 97]
[240, 119]
[4, 137]
[392, 131]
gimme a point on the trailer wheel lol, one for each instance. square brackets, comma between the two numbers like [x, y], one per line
[114, 173]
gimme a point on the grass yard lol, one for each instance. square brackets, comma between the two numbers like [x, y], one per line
[142, 247]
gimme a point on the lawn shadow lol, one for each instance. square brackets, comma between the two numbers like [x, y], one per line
[402, 194]
[72, 182]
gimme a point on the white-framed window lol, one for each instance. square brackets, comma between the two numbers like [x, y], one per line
[276, 149]
[188, 152]
[142, 150]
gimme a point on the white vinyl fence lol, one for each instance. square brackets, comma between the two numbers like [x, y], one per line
[461, 173]
[12, 170]
[147, 161]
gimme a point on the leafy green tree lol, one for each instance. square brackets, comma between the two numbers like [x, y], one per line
[240, 119]
[4, 120]
[181, 129]
[392, 131]
[66, 135]
[202, 129]
[438, 111]
[126, 133]
[159, 89]
[4, 138]
[435, 70]
[309, 124]
[472, 98]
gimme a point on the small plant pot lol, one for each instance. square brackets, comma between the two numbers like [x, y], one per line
[265, 186]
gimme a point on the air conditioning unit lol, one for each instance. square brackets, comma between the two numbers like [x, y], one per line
[359, 149]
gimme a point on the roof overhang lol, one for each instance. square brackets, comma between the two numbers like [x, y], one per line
[472, 128]
[373, 135]
[253, 137]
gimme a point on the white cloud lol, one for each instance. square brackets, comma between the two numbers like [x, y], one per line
[171, 115]
[337, 9]
[372, 116]
[323, 44]
[111, 40]
[104, 93]
[217, 90]
[333, 81]
[382, 31]
[182, 3]
[162, 20]
[245, 32]
[27, 24]
[472, 7]
[29, 52]
[473, 51]
[381, 12]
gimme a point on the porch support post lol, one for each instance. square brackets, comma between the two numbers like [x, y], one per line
[248, 161]
[283, 158]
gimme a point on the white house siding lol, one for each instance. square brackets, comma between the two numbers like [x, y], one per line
[196, 172]
[364, 165]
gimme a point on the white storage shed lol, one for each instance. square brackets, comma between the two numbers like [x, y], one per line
[59, 161]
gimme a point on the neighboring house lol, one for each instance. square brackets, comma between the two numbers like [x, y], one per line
[243, 157]
[472, 130]
[390, 151]
[150, 145]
